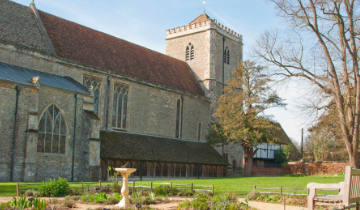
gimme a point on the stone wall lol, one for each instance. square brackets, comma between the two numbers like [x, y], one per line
[233, 152]
[151, 108]
[30, 165]
[329, 168]
[209, 44]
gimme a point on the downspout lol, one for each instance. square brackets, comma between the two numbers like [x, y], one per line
[223, 64]
[107, 103]
[223, 80]
[18, 89]
[74, 138]
[182, 115]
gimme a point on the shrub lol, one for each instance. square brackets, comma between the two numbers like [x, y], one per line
[204, 201]
[116, 188]
[39, 204]
[253, 195]
[55, 188]
[88, 197]
[162, 190]
[23, 203]
[100, 197]
[69, 202]
[112, 200]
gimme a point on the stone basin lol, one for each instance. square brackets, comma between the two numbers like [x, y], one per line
[125, 173]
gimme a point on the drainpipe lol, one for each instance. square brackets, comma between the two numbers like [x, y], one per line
[107, 103]
[182, 115]
[223, 64]
[18, 89]
[74, 138]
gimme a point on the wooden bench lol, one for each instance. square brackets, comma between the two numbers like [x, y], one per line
[349, 191]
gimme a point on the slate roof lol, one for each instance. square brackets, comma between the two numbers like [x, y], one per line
[93, 48]
[23, 76]
[127, 146]
[19, 27]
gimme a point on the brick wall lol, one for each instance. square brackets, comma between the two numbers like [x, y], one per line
[268, 171]
[315, 168]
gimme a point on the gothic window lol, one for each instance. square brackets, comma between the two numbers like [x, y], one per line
[120, 106]
[178, 122]
[52, 132]
[94, 84]
[189, 52]
[199, 131]
[226, 55]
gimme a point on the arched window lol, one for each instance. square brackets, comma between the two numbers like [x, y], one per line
[179, 118]
[189, 52]
[52, 132]
[120, 106]
[227, 55]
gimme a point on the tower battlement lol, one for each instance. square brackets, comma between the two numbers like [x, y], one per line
[202, 26]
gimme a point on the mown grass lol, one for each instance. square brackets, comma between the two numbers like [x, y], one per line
[239, 185]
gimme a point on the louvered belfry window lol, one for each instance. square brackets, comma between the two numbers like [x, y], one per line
[52, 132]
[189, 52]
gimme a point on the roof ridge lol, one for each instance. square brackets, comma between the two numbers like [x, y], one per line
[110, 35]
[91, 47]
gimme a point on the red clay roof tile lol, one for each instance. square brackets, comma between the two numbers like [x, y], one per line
[201, 18]
[93, 48]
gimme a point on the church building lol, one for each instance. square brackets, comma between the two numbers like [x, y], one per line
[75, 102]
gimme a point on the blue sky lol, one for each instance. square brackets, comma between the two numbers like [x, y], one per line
[144, 22]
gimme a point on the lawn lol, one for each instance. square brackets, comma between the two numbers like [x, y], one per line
[239, 185]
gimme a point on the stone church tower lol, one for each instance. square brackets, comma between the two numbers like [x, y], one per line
[211, 50]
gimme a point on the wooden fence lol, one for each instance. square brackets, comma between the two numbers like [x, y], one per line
[281, 191]
[87, 186]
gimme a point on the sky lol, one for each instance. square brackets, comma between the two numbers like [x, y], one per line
[144, 22]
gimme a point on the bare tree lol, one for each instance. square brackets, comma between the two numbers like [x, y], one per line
[326, 53]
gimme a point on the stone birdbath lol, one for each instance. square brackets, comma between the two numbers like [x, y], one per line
[125, 173]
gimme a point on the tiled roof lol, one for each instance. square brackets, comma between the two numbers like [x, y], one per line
[202, 18]
[18, 26]
[127, 146]
[93, 48]
[23, 76]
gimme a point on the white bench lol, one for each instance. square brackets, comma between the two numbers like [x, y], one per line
[349, 191]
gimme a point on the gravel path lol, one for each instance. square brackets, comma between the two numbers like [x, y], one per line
[174, 201]
[270, 206]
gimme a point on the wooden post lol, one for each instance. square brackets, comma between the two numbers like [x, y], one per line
[151, 186]
[82, 187]
[134, 186]
[192, 187]
[100, 183]
[281, 191]
[170, 185]
[213, 189]
[284, 203]
[17, 189]
[254, 187]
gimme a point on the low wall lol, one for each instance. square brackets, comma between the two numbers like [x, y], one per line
[330, 168]
[268, 171]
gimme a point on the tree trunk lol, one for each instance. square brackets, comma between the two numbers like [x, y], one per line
[247, 164]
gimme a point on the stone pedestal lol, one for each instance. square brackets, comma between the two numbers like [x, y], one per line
[125, 173]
